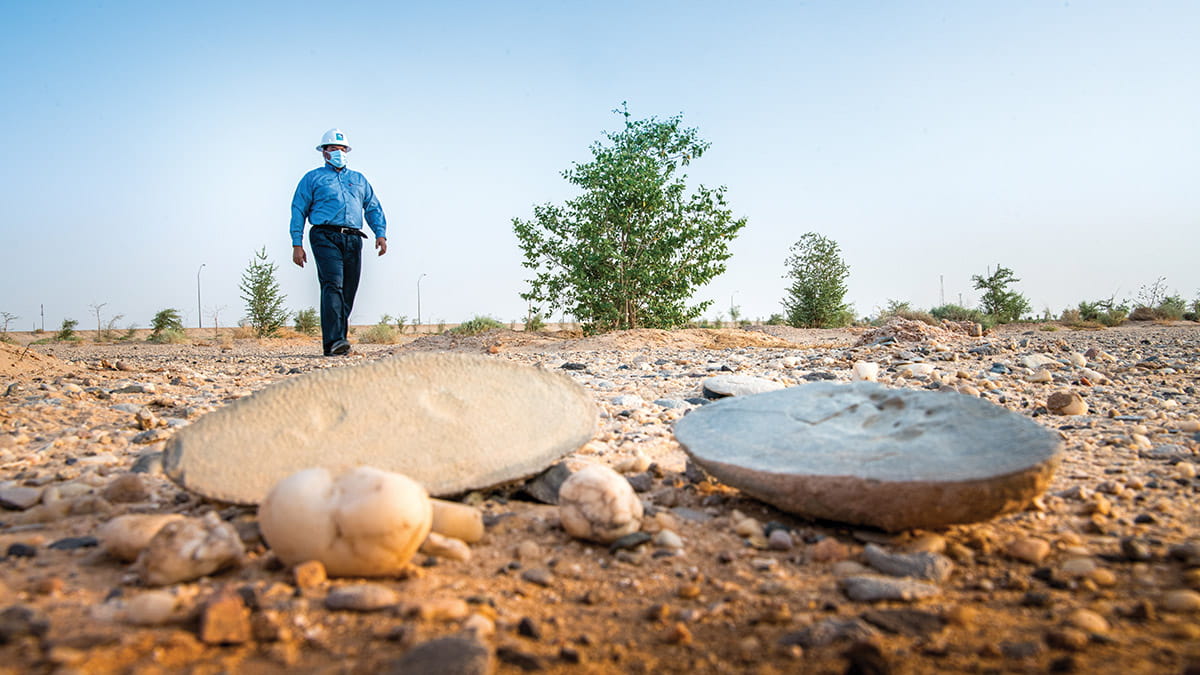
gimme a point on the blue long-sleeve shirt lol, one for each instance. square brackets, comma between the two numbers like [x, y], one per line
[326, 196]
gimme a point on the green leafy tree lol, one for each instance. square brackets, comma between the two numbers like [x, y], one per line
[166, 326]
[308, 321]
[816, 298]
[631, 250]
[998, 301]
[67, 331]
[264, 302]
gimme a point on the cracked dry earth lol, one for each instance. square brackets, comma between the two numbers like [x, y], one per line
[1099, 575]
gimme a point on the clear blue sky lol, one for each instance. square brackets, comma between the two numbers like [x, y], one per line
[929, 139]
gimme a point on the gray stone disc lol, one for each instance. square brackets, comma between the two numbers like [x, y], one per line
[865, 454]
[453, 422]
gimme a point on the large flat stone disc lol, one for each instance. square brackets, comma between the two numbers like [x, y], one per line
[453, 422]
[864, 454]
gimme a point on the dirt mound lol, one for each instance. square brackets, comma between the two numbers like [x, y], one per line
[909, 330]
[569, 341]
[18, 361]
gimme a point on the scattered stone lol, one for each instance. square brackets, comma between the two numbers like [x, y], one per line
[19, 498]
[20, 550]
[225, 620]
[668, 540]
[544, 487]
[829, 550]
[597, 504]
[149, 463]
[73, 543]
[539, 576]
[19, 621]
[462, 656]
[362, 522]
[451, 422]
[1070, 639]
[126, 489]
[861, 453]
[1087, 620]
[150, 608]
[446, 547]
[309, 574]
[361, 598]
[523, 660]
[914, 622]
[723, 386]
[1066, 403]
[1180, 601]
[629, 541]
[927, 566]
[1028, 549]
[864, 371]
[188, 549]
[444, 609]
[871, 588]
[829, 631]
[125, 537]
[780, 540]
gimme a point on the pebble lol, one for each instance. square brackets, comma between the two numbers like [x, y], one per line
[1180, 601]
[597, 504]
[1066, 403]
[19, 498]
[126, 489]
[1029, 549]
[150, 608]
[444, 609]
[780, 540]
[188, 549]
[926, 566]
[871, 588]
[446, 547]
[1087, 620]
[459, 655]
[865, 371]
[361, 598]
[309, 575]
[668, 540]
[125, 537]
[1079, 567]
[225, 620]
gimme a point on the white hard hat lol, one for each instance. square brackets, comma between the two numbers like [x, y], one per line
[333, 137]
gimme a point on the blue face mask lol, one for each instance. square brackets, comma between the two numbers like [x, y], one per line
[337, 158]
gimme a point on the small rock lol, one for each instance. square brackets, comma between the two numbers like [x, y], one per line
[668, 540]
[829, 631]
[126, 489]
[20, 550]
[225, 620]
[828, 550]
[309, 575]
[1029, 549]
[19, 621]
[462, 656]
[538, 575]
[1180, 601]
[865, 371]
[528, 628]
[871, 588]
[19, 498]
[151, 608]
[125, 537]
[73, 543]
[1078, 567]
[446, 547]
[444, 609]
[596, 503]
[780, 540]
[188, 549]
[927, 566]
[1087, 620]
[722, 386]
[1066, 403]
[361, 598]
[1070, 639]
[150, 463]
[912, 622]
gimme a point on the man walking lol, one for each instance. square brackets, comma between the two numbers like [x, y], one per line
[333, 199]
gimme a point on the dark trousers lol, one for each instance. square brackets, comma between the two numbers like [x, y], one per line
[339, 262]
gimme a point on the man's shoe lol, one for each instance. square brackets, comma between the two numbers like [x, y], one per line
[339, 348]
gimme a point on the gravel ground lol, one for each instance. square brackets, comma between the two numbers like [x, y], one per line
[1099, 575]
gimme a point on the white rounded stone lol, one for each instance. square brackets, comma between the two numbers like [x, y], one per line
[596, 503]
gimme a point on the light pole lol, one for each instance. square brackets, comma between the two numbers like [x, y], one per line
[423, 275]
[199, 313]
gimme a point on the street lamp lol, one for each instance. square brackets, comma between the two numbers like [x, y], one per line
[423, 275]
[199, 313]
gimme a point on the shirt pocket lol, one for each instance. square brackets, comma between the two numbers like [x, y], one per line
[326, 192]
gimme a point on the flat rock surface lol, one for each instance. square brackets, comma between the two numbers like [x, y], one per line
[866, 454]
[451, 422]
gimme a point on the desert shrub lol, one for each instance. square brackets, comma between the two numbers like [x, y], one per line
[308, 322]
[264, 301]
[1142, 313]
[66, 333]
[166, 320]
[243, 331]
[1171, 308]
[776, 320]
[6, 338]
[480, 324]
[903, 310]
[534, 322]
[952, 312]
[1105, 312]
[381, 333]
[998, 301]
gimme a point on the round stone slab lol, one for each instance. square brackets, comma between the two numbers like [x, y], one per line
[862, 453]
[452, 422]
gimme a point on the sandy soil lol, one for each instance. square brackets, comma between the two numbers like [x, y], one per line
[1110, 595]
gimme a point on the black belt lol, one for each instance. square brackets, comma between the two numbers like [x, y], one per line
[344, 230]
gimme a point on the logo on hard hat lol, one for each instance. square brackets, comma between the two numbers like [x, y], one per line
[341, 137]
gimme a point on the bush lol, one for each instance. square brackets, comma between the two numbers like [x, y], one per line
[480, 324]
[816, 297]
[998, 302]
[381, 333]
[954, 312]
[776, 320]
[166, 320]
[168, 336]
[1105, 312]
[903, 310]
[1171, 308]
[66, 333]
[534, 322]
[308, 322]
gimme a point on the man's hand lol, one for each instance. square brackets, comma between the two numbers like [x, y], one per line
[381, 244]
[299, 256]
